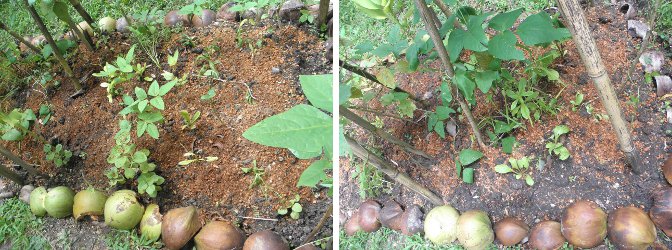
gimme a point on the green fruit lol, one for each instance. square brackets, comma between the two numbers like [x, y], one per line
[123, 210]
[150, 225]
[441, 225]
[107, 24]
[89, 202]
[59, 201]
[474, 230]
[37, 201]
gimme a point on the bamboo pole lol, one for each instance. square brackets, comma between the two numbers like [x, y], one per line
[590, 55]
[18, 161]
[388, 169]
[425, 12]
[18, 37]
[381, 133]
[9, 174]
[363, 73]
[322, 14]
[82, 12]
[61, 11]
[54, 48]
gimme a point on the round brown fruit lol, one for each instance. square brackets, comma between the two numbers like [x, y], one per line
[584, 224]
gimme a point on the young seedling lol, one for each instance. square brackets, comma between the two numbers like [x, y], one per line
[193, 9]
[556, 147]
[211, 93]
[257, 172]
[188, 41]
[148, 106]
[56, 154]
[149, 183]
[466, 158]
[293, 208]
[519, 167]
[576, 103]
[172, 60]
[44, 114]
[306, 17]
[191, 158]
[190, 120]
[123, 70]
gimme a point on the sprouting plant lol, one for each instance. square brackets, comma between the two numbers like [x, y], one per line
[57, 154]
[211, 93]
[306, 17]
[16, 124]
[148, 106]
[597, 116]
[128, 162]
[147, 34]
[119, 72]
[528, 103]
[190, 120]
[243, 41]
[172, 60]
[44, 114]
[556, 147]
[257, 172]
[519, 167]
[436, 119]
[292, 207]
[576, 103]
[188, 41]
[466, 158]
[195, 8]
[634, 100]
[371, 181]
[191, 158]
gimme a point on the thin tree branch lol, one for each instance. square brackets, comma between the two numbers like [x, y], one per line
[18, 161]
[9, 174]
[322, 14]
[82, 12]
[319, 226]
[18, 37]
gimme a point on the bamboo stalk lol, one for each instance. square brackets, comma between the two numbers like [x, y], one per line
[363, 73]
[322, 14]
[61, 10]
[54, 48]
[388, 169]
[9, 174]
[379, 132]
[82, 12]
[18, 161]
[425, 12]
[18, 37]
[578, 26]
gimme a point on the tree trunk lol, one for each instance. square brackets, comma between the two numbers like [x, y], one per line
[383, 134]
[388, 169]
[426, 14]
[322, 14]
[82, 12]
[18, 37]
[578, 26]
[54, 48]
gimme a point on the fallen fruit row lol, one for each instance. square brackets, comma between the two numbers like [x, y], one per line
[176, 228]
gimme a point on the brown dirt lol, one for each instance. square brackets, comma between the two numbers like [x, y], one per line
[86, 125]
[595, 171]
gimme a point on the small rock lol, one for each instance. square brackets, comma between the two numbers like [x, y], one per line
[197, 50]
[603, 20]
[25, 193]
[291, 10]
[652, 61]
[275, 70]
[517, 185]
[637, 28]
[583, 78]
[61, 120]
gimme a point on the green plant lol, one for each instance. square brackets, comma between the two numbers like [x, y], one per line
[187, 41]
[122, 71]
[128, 162]
[257, 172]
[172, 60]
[191, 158]
[148, 110]
[147, 34]
[19, 228]
[190, 120]
[211, 93]
[16, 124]
[292, 207]
[195, 8]
[576, 103]
[527, 103]
[519, 167]
[130, 239]
[634, 100]
[306, 17]
[243, 39]
[260, 5]
[555, 146]
[466, 158]
[597, 116]
[57, 154]
[371, 181]
[44, 114]
[435, 121]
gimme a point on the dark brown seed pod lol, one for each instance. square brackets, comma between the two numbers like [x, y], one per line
[411, 220]
[546, 235]
[667, 169]
[584, 224]
[511, 231]
[390, 214]
[368, 216]
[218, 235]
[265, 240]
[174, 18]
[631, 228]
[207, 18]
[352, 225]
[179, 226]
[227, 15]
[661, 211]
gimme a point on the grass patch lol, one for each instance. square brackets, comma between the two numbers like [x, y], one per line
[386, 238]
[123, 240]
[19, 227]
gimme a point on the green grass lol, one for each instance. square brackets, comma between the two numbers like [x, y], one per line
[386, 238]
[19, 227]
[124, 240]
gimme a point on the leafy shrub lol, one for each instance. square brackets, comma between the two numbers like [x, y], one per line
[519, 167]
[147, 106]
[121, 71]
[57, 154]
[16, 124]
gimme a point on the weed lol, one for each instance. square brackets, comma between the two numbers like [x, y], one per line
[260, 5]
[44, 114]
[148, 110]
[244, 41]
[292, 207]
[172, 60]
[190, 120]
[124, 239]
[386, 238]
[435, 121]
[195, 8]
[187, 41]
[527, 103]
[556, 147]
[56, 154]
[19, 227]
[519, 167]
[147, 34]
[466, 158]
[371, 181]
[257, 172]
[306, 17]
[576, 103]
[211, 93]
[16, 124]
[122, 71]
[191, 158]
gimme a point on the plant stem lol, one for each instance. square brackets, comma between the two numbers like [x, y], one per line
[381, 133]
[592, 60]
[18, 37]
[380, 113]
[82, 12]
[320, 225]
[425, 12]
[387, 168]
[54, 48]
[363, 73]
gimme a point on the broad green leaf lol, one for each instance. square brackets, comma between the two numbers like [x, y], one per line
[386, 77]
[153, 89]
[469, 156]
[412, 57]
[529, 180]
[465, 85]
[318, 90]
[130, 54]
[468, 175]
[344, 93]
[443, 112]
[157, 102]
[150, 117]
[297, 208]
[142, 127]
[139, 157]
[446, 95]
[508, 143]
[303, 128]
[503, 169]
[172, 60]
[503, 46]
[304, 155]
[455, 44]
[538, 29]
[560, 130]
[142, 105]
[140, 94]
[314, 174]
[484, 80]
[152, 130]
[504, 21]
[406, 107]
[343, 146]
[562, 153]
[163, 90]
[440, 129]
[211, 93]
[12, 135]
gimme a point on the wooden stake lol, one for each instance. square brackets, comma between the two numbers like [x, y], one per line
[425, 12]
[578, 26]
[388, 169]
[82, 12]
[9, 174]
[18, 161]
[18, 37]
[363, 73]
[322, 14]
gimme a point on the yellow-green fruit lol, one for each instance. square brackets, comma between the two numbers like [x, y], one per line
[150, 225]
[474, 230]
[59, 201]
[441, 225]
[89, 202]
[123, 210]
[83, 26]
[37, 201]
[107, 24]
